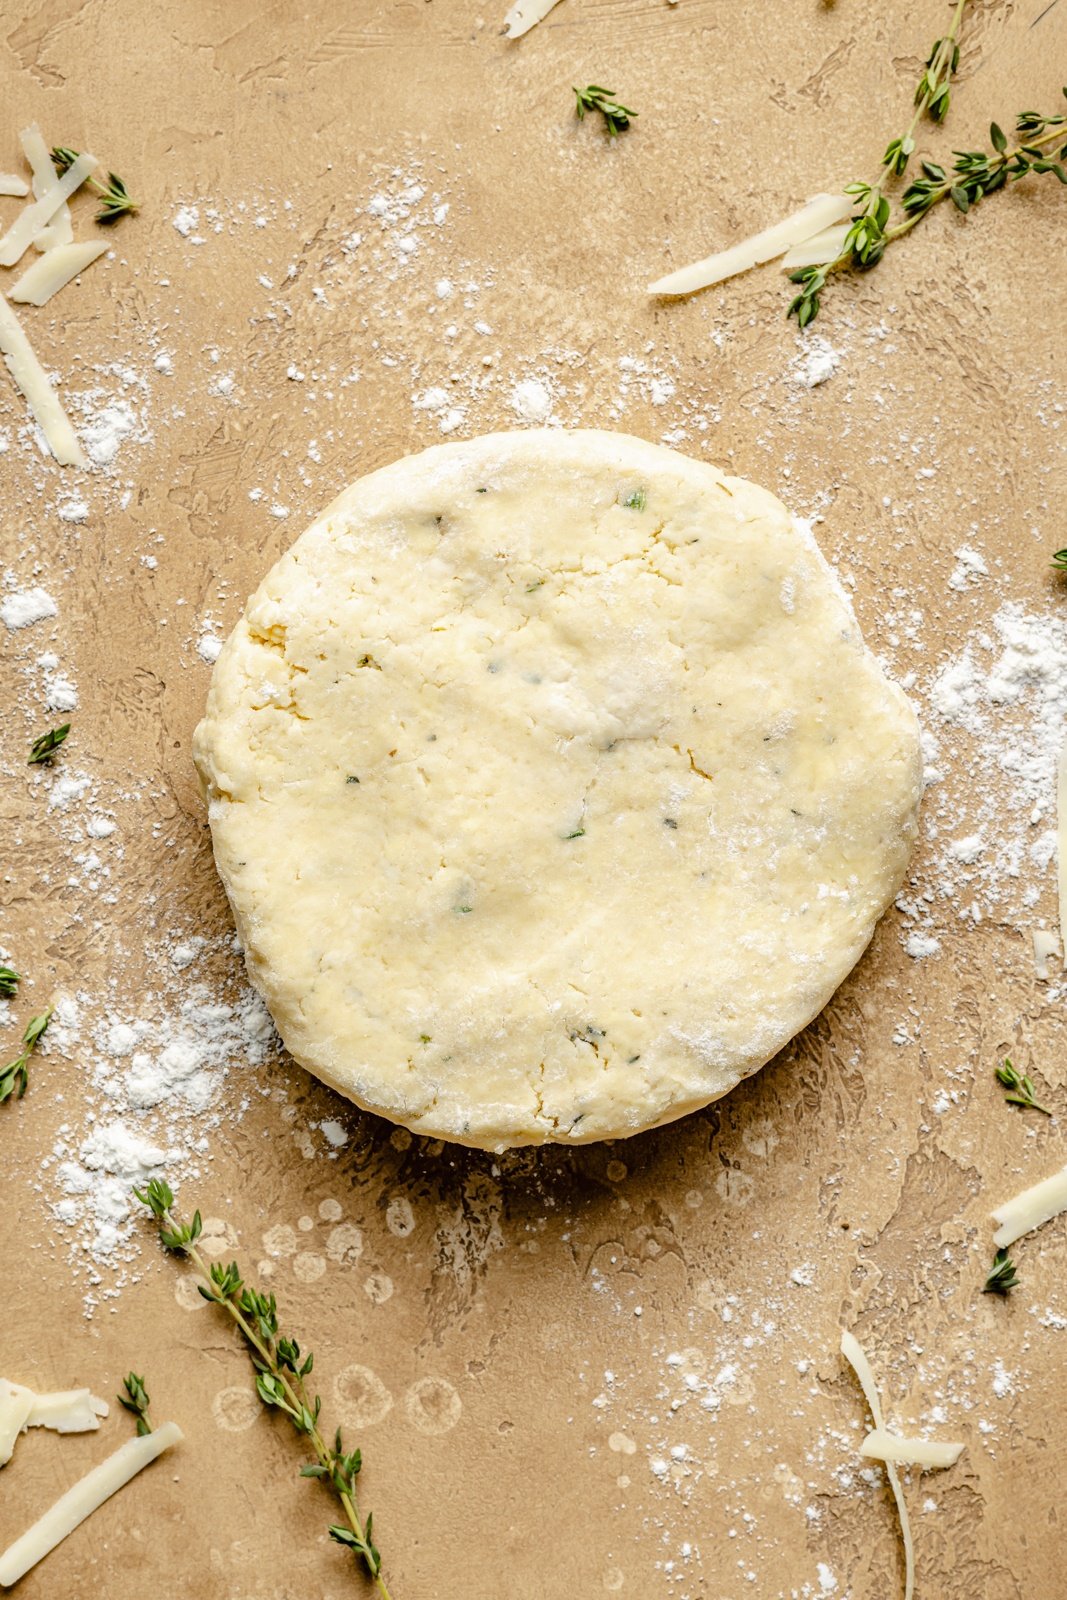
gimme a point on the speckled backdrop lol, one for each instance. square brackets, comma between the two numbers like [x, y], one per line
[612, 1369]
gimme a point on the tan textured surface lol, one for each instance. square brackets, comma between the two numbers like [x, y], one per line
[520, 1281]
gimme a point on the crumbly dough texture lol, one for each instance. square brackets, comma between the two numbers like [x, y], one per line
[553, 787]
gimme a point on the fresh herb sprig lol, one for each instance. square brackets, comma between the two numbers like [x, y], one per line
[1020, 1088]
[44, 748]
[594, 98]
[974, 174]
[1001, 1279]
[136, 1399]
[14, 1078]
[116, 198]
[1059, 560]
[281, 1372]
[9, 982]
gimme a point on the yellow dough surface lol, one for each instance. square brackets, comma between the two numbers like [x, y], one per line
[553, 787]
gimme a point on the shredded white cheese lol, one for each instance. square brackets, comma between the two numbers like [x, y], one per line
[820, 212]
[881, 1445]
[816, 251]
[853, 1354]
[1061, 840]
[32, 379]
[53, 271]
[10, 184]
[1031, 1209]
[1046, 944]
[79, 1502]
[67, 1411]
[15, 1406]
[524, 14]
[33, 218]
[61, 229]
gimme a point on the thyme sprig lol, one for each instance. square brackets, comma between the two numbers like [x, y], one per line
[136, 1399]
[14, 1078]
[116, 198]
[1020, 1088]
[1001, 1279]
[974, 174]
[594, 98]
[281, 1372]
[44, 748]
[1060, 560]
[9, 982]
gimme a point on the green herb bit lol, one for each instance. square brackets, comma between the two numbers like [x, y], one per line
[117, 200]
[594, 98]
[1059, 560]
[14, 1078]
[9, 982]
[281, 1371]
[44, 748]
[1001, 1279]
[579, 833]
[1020, 1087]
[637, 501]
[136, 1400]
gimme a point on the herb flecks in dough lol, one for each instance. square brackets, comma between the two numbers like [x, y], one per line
[637, 500]
[14, 1078]
[281, 1368]
[1001, 1279]
[1020, 1088]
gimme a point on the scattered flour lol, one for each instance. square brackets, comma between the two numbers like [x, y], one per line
[21, 608]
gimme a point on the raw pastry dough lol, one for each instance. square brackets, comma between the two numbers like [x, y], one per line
[553, 787]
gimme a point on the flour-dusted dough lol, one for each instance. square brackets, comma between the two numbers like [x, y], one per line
[553, 787]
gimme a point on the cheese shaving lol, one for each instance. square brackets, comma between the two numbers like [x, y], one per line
[67, 1411]
[818, 250]
[33, 218]
[79, 1502]
[10, 184]
[853, 1354]
[53, 271]
[32, 379]
[881, 1445]
[1031, 1209]
[524, 14]
[60, 230]
[15, 1406]
[1061, 841]
[818, 214]
[1046, 944]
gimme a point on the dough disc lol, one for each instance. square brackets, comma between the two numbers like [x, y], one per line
[553, 787]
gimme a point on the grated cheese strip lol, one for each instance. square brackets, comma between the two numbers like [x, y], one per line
[32, 379]
[67, 1411]
[15, 1405]
[881, 1445]
[1061, 842]
[819, 213]
[10, 184]
[45, 178]
[33, 218]
[853, 1354]
[79, 1502]
[1046, 944]
[44, 278]
[524, 14]
[818, 250]
[1031, 1209]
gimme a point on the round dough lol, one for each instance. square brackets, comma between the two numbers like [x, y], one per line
[552, 786]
